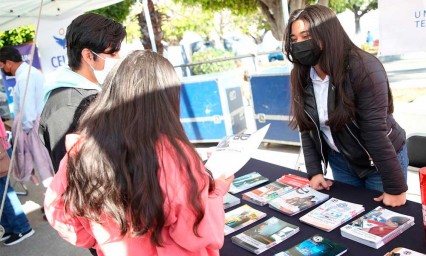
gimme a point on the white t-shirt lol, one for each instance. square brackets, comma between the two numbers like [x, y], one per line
[321, 98]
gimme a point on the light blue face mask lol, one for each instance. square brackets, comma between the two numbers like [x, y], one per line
[109, 64]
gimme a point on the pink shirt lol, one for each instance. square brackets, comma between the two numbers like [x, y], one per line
[178, 236]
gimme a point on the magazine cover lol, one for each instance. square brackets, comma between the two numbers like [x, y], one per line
[294, 180]
[332, 214]
[246, 182]
[298, 200]
[233, 152]
[401, 251]
[377, 227]
[241, 217]
[230, 200]
[264, 194]
[265, 235]
[317, 245]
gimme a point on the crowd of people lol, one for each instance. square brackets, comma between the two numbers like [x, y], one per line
[122, 177]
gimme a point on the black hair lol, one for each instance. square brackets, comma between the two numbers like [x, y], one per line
[94, 32]
[10, 53]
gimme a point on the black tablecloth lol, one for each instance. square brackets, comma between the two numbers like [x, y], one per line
[413, 238]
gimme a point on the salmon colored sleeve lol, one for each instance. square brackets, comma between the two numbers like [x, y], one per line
[72, 229]
[211, 227]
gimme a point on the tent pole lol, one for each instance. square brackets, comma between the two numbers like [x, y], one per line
[149, 24]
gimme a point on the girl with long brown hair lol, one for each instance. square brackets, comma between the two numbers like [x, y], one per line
[342, 105]
[132, 183]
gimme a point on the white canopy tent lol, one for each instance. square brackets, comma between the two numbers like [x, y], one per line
[14, 14]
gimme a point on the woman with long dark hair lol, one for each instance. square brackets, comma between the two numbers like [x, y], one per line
[132, 183]
[342, 105]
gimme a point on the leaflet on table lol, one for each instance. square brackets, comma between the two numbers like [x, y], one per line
[401, 251]
[233, 152]
[241, 217]
[265, 235]
[264, 194]
[230, 200]
[332, 214]
[294, 180]
[298, 200]
[247, 181]
[377, 227]
[317, 245]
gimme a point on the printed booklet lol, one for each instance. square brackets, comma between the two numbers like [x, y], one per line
[332, 214]
[401, 251]
[298, 200]
[230, 200]
[317, 245]
[233, 152]
[265, 235]
[294, 180]
[264, 194]
[247, 181]
[241, 217]
[377, 227]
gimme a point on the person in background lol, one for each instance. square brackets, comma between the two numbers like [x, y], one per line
[342, 104]
[93, 45]
[369, 39]
[13, 219]
[31, 154]
[131, 182]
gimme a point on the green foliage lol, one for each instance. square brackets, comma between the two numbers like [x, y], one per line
[118, 11]
[17, 36]
[362, 6]
[178, 19]
[238, 7]
[212, 54]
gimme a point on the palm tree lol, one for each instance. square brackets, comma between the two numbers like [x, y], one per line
[156, 19]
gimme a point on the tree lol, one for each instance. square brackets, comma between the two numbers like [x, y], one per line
[156, 22]
[358, 7]
[118, 11]
[17, 36]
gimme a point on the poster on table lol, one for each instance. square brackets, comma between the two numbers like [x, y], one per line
[9, 81]
[402, 26]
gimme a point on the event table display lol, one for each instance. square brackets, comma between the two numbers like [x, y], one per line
[413, 238]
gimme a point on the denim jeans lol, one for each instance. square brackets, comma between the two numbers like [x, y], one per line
[343, 173]
[13, 218]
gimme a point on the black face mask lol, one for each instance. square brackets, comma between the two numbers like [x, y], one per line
[305, 52]
[6, 73]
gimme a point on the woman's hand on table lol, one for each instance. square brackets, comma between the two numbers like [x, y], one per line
[318, 182]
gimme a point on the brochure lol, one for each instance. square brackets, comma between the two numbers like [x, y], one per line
[247, 181]
[294, 180]
[332, 214]
[264, 194]
[377, 227]
[233, 152]
[298, 200]
[241, 217]
[317, 245]
[401, 251]
[230, 200]
[265, 235]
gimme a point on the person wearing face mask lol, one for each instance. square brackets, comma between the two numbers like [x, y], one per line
[342, 105]
[93, 44]
[30, 154]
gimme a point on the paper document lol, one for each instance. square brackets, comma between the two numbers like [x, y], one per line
[233, 152]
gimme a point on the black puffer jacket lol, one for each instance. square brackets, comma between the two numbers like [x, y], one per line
[371, 142]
